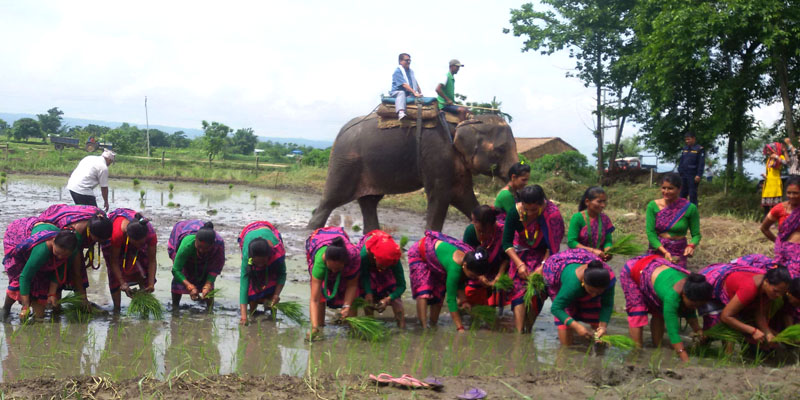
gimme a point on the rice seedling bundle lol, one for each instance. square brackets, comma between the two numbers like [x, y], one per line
[619, 341]
[482, 315]
[367, 328]
[144, 305]
[359, 303]
[74, 309]
[534, 287]
[625, 246]
[721, 331]
[212, 293]
[790, 336]
[504, 283]
[292, 310]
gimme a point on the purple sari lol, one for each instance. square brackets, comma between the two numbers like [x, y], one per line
[637, 284]
[716, 274]
[18, 242]
[323, 237]
[665, 220]
[263, 279]
[591, 235]
[131, 271]
[63, 215]
[587, 308]
[383, 282]
[428, 276]
[788, 253]
[201, 266]
[543, 233]
[496, 258]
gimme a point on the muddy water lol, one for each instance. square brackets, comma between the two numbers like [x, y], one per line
[191, 341]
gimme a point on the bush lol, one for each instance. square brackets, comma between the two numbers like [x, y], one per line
[570, 165]
[317, 158]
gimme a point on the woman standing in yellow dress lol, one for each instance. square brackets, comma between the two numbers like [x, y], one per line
[772, 194]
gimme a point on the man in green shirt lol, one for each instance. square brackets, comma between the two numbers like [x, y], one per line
[447, 92]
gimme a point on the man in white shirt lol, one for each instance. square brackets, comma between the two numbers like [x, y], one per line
[90, 172]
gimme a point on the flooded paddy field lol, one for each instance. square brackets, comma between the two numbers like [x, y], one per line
[191, 353]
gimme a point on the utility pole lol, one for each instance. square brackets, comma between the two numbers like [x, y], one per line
[147, 131]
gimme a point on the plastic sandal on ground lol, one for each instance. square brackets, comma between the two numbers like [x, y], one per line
[473, 394]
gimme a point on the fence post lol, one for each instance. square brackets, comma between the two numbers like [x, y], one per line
[8, 150]
[162, 158]
[651, 178]
[257, 162]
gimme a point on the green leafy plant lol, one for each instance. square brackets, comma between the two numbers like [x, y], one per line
[212, 293]
[504, 283]
[356, 228]
[482, 315]
[534, 288]
[403, 241]
[790, 336]
[144, 305]
[141, 194]
[618, 341]
[171, 204]
[135, 182]
[230, 186]
[274, 203]
[367, 328]
[74, 308]
[625, 246]
[171, 186]
[359, 303]
[721, 331]
[290, 309]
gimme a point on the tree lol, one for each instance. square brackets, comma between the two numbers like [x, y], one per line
[595, 32]
[179, 140]
[244, 141]
[214, 138]
[127, 139]
[4, 129]
[25, 128]
[158, 138]
[317, 158]
[50, 122]
[628, 147]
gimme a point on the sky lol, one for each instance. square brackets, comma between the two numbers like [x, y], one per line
[285, 69]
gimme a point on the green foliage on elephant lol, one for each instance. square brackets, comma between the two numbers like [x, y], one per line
[50, 122]
[214, 139]
[317, 158]
[127, 139]
[25, 128]
[570, 164]
[244, 141]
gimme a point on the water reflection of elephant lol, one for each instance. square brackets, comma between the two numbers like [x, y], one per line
[367, 163]
[193, 345]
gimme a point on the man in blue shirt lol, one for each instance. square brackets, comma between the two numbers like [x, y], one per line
[404, 84]
[690, 167]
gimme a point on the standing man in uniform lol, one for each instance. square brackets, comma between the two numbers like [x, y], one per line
[690, 167]
[447, 93]
[404, 84]
[90, 172]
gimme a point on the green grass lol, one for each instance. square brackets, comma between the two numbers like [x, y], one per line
[367, 328]
[626, 246]
[504, 283]
[144, 305]
[292, 310]
[534, 287]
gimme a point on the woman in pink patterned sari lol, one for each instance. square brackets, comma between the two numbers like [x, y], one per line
[787, 241]
[532, 233]
[668, 219]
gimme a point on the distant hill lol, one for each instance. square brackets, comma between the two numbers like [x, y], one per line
[190, 132]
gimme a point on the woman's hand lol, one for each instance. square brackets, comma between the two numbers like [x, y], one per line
[243, 321]
[123, 287]
[206, 289]
[667, 255]
[275, 300]
[758, 336]
[522, 271]
[369, 299]
[381, 306]
[580, 330]
[599, 332]
[689, 251]
[193, 293]
[25, 313]
[345, 312]
[484, 281]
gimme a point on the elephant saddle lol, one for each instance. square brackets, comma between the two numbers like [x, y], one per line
[387, 117]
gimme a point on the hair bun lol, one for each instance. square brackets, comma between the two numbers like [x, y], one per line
[694, 277]
[209, 225]
[595, 264]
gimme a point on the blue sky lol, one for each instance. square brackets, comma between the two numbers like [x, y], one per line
[286, 69]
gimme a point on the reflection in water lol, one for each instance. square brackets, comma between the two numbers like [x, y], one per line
[192, 346]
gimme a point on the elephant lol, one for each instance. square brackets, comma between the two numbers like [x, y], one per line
[367, 163]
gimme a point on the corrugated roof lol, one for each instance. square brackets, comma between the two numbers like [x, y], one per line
[525, 144]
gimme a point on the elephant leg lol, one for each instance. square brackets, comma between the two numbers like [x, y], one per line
[369, 211]
[465, 202]
[340, 188]
[437, 211]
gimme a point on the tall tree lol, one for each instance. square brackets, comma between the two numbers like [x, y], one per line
[127, 139]
[244, 141]
[179, 140]
[594, 31]
[214, 138]
[4, 129]
[51, 122]
[25, 128]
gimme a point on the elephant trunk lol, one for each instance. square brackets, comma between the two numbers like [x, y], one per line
[501, 169]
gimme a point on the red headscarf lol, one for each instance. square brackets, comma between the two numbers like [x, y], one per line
[772, 148]
[385, 250]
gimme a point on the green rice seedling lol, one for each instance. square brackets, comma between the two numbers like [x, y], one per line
[619, 341]
[212, 294]
[171, 204]
[171, 186]
[144, 304]
[504, 283]
[625, 246]
[534, 287]
[135, 182]
[212, 211]
[721, 331]
[230, 186]
[356, 228]
[3, 174]
[403, 241]
[292, 310]
[141, 194]
[274, 203]
[790, 336]
[482, 315]
[359, 303]
[367, 328]
[74, 309]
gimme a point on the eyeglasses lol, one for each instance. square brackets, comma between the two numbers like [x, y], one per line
[407, 59]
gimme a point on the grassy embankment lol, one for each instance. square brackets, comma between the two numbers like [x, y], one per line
[729, 221]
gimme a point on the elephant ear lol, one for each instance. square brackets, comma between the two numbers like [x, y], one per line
[467, 141]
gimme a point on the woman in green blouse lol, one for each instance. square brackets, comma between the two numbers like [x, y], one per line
[669, 219]
[590, 229]
[518, 176]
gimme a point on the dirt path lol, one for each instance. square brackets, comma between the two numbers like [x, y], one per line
[602, 382]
